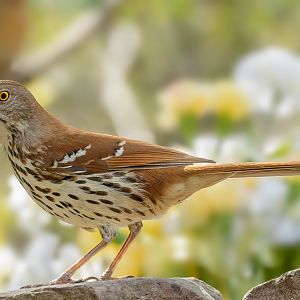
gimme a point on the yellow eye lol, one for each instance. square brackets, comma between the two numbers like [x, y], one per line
[4, 95]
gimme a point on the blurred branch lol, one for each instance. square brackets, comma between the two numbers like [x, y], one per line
[71, 38]
[119, 54]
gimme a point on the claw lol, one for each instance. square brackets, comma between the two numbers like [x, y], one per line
[91, 278]
[108, 277]
[63, 279]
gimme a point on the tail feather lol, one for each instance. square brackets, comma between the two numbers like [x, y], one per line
[247, 169]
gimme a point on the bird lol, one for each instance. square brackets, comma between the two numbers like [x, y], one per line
[100, 181]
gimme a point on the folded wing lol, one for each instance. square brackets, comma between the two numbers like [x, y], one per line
[97, 153]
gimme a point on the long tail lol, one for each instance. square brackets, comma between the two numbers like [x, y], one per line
[247, 169]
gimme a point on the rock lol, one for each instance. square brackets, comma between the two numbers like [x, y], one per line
[122, 289]
[285, 287]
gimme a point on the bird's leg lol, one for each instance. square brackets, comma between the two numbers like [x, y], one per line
[108, 233]
[134, 231]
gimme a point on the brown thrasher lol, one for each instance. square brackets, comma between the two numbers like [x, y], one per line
[101, 181]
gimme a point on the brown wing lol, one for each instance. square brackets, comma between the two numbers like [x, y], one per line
[83, 152]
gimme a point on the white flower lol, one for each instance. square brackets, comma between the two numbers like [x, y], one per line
[36, 264]
[234, 148]
[286, 231]
[22, 205]
[268, 197]
[180, 248]
[267, 74]
[205, 146]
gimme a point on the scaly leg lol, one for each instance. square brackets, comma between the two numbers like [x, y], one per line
[134, 231]
[108, 233]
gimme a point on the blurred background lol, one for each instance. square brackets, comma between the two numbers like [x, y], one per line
[218, 79]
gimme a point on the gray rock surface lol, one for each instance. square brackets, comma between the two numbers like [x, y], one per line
[122, 289]
[285, 287]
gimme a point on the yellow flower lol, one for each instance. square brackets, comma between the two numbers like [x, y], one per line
[229, 101]
[131, 263]
[153, 227]
[6, 221]
[183, 98]
[225, 196]
[196, 99]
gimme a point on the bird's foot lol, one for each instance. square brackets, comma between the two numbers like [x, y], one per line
[63, 279]
[107, 276]
[66, 279]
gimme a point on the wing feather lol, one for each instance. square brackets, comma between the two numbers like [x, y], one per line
[97, 153]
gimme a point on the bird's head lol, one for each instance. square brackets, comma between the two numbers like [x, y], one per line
[17, 104]
[19, 111]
